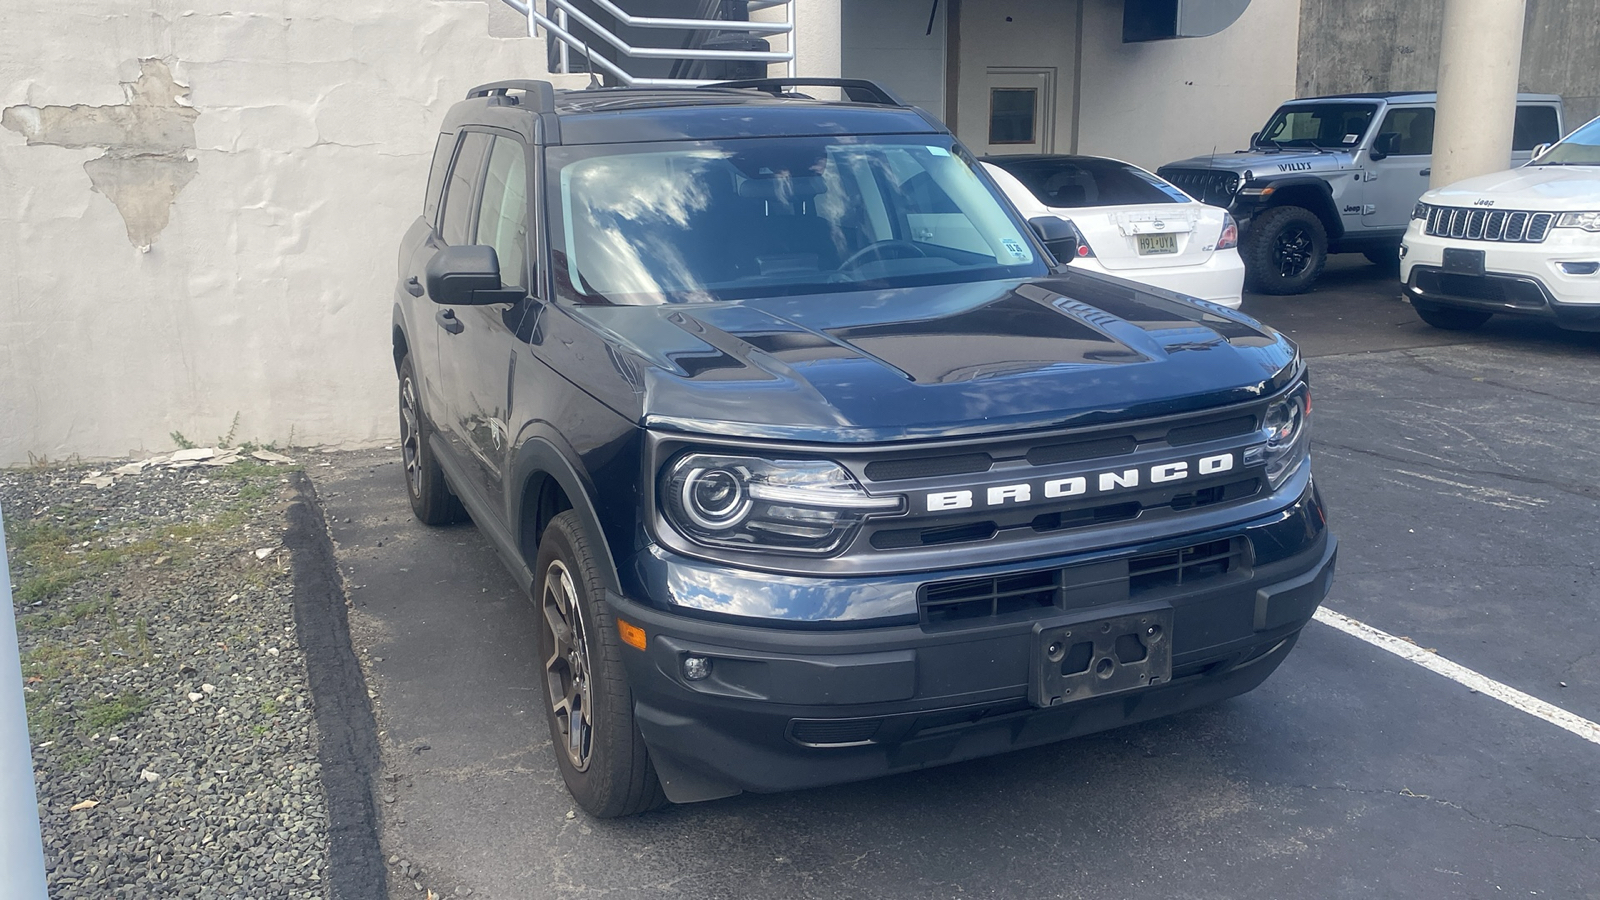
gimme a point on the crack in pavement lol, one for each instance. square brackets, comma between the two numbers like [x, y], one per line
[1586, 491]
[1408, 794]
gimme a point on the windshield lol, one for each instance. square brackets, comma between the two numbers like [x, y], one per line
[1080, 182]
[1323, 125]
[722, 220]
[1580, 148]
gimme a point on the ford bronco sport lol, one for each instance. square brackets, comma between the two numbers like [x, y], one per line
[816, 463]
[1336, 174]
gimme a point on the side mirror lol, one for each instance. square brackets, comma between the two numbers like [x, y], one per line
[1540, 150]
[1384, 144]
[1058, 235]
[464, 276]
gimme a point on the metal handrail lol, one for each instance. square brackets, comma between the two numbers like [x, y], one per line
[570, 41]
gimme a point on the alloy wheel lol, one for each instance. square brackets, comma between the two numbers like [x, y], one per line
[411, 435]
[1293, 250]
[567, 669]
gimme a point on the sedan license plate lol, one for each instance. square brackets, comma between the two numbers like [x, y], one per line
[1157, 243]
[1080, 658]
[1464, 262]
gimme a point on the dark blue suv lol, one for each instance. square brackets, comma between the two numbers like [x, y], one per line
[819, 462]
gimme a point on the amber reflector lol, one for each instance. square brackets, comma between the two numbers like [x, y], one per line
[632, 635]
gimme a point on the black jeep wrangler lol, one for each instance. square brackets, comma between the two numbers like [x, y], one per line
[818, 461]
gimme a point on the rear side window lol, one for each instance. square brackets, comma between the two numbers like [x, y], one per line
[503, 214]
[454, 225]
[1415, 128]
[1535, 125]
[1083, 182]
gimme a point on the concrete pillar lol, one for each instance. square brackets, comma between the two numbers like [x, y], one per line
[21, 853]
[1479, 59]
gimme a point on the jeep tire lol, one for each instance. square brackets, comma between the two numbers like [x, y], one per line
[431, 498]
[587, 701]
[1450, 318]
[1286, 250]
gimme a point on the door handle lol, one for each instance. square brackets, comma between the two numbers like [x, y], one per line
[414, 287]
[1426, 172]
[448, 321]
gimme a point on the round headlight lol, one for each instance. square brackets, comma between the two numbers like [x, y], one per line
[714, 499]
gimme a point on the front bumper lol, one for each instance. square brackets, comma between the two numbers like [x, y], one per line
[787, 708]
[1525, 279]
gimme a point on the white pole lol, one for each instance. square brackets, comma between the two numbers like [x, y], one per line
[1479, 60]
[21, 850]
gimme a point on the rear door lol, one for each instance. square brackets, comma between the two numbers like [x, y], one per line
[1394, 183]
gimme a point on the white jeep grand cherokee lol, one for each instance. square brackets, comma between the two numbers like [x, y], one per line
[1522, 242]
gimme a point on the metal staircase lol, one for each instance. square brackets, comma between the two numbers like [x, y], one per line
[720, 42]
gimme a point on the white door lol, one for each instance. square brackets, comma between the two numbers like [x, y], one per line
[1021, 112]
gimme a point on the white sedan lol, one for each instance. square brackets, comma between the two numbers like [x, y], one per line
[1134, 224]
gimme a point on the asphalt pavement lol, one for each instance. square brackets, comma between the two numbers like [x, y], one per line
[1459, 470]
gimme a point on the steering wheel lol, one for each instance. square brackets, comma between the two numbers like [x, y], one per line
[877, 249]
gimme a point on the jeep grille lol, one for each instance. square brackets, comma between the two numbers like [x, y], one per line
[1205, 185]
[1504, 225]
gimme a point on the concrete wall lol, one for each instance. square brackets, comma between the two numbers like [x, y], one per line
[200, 205]
[1380, 45]
[1030, 34]
[890, 41]
[1152, 103]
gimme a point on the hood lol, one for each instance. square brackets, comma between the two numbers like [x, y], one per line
[940, 361]
[1542, 188]
[1265, 164]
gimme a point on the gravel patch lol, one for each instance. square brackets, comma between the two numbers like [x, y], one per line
[174, 748]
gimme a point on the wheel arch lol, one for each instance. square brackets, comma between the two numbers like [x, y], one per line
[1312, 194]
[544, 483]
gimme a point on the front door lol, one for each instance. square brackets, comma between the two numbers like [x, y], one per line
[1021, 111]
[1394, 183]
[477, 361]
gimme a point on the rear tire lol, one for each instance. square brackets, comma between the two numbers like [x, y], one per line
[1450, 318]
[1286, 250]
[431, 498]
[587, 701]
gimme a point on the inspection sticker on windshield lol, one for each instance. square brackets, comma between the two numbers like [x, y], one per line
[938, 151]
[1015, 247]
[1351, 138]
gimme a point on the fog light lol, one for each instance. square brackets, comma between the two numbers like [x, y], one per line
[1404, 250]
[1580, 268]
[696, 668]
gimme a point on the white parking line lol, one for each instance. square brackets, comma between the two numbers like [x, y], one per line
[1433, 662]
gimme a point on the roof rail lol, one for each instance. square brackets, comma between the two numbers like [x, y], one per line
[541, 95]
[856, 90]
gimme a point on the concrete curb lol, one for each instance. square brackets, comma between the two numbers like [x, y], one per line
[21, 849]
[347, 731]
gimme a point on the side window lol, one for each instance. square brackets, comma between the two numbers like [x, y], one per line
[459, 190]
[503, 215]
[1535, 125]
[1415, 127]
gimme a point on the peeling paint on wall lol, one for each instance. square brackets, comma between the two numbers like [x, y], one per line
[147, 141]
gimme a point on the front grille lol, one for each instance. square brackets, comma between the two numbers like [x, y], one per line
[1502, 225]
[833, 732]
[1205, 185]
[975, 601]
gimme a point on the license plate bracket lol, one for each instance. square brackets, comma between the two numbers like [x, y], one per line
[1081, 657]
[1151, 244]
[1463, 262]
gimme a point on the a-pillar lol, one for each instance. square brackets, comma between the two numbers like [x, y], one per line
[1479, 59]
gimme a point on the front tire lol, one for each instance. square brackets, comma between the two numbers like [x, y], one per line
[1450, 318]
[431, 499]
[1286, 250]
[588, 703]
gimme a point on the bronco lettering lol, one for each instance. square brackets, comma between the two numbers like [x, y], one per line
[1079, 485]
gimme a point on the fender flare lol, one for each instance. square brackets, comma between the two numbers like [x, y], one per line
[1329, 214]
[543, 451]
